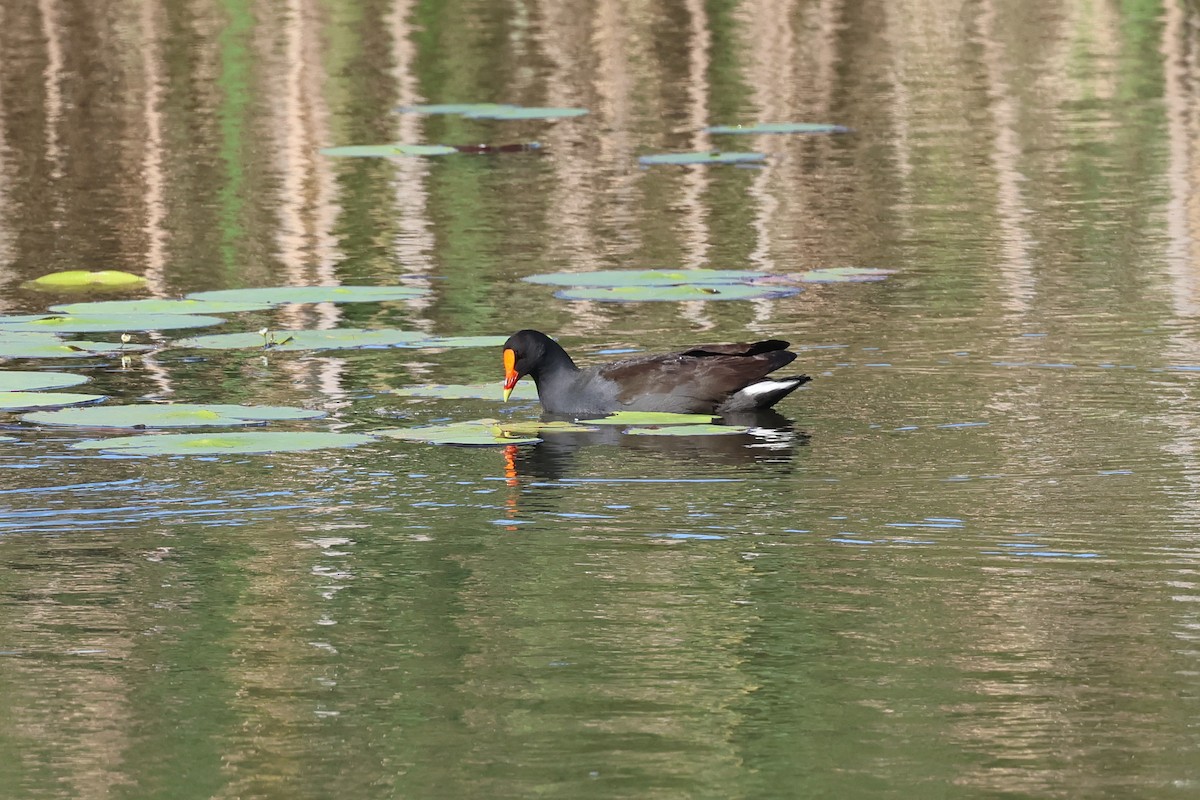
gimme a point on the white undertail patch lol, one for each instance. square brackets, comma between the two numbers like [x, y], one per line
[766, 387]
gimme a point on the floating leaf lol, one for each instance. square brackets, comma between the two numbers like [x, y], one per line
[280, 295]
[843, 275]
[650, 418]
[779, 127]
[98, 323]
[199, 444]
[647, 277]
[453, 108]
[711, 157]
[83, 279]
[170, 415]
[535, 428]
[475, 433]
[158, 306]
[28, 401]
[462, 341]
[690, 430]
[387, 150]
[333, 339]
[643, 294]
[13, 345]
[14, 381]
[523, 112]
[476, 391]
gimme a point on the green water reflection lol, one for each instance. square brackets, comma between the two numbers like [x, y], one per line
[961, 563]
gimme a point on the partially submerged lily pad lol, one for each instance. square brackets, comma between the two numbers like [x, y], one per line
[687, 292]
[476, 391]
[28, 401]
[282, 295]
[690, 430]
[779, 127]
[395, 150]
[334, 339]
[844, 275]
[650, 418]
[84, 279]
[523, 112]
[32, 381]
[647, 277]
[159, 306]
[203, 444]
[474, 433]
[16, 345]
[708, 157]
[99, 323]
[170, 415]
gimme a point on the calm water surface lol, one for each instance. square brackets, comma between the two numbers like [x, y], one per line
[963, 563]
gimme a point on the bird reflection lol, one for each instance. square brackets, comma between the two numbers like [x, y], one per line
[771, 443]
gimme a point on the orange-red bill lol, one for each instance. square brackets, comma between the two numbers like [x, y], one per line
[510, 372]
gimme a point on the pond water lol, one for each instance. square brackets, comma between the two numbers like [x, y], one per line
[961, 562]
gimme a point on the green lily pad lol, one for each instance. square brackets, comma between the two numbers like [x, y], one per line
[83, 279]
[535, 428]
[49, 346]
[844, 275]
[281, 295]
[387, 150]
[453, 108]
[462, 341]
[170, 415]
[290, 341]
[523, 112]
[647, 277]
[99, 323]
[203, 444]
[779, 127]
[690, 430]
[28, 401]
[650, 418]
[158, 306]
[32, 381]
[709, 157]
[689, 292]
[476, 391]
[475, 433]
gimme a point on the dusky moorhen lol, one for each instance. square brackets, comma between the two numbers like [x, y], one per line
[709, 379]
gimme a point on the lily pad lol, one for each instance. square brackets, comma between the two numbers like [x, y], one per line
[462, 341]
[32, 381]
[779, 127]
[647, 277]
[524, 112]
[203, 444]
[290, 341]
[159, 306]
[281, 295]
[844, 275]
[99, 323]
[688, 292]
[476, 391]
[474, 433]
[534, 428]
[650, 418]
[690, 430]
[708, 157]
[170, 415]
[83, 279]
[14, 346]
[387, 150]
[453, 108]
[28, 401]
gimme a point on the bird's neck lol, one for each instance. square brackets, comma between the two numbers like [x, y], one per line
[554, 363]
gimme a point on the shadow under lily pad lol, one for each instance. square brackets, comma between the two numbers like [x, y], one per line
[170, 415]
[33, 380]
[204, 444]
